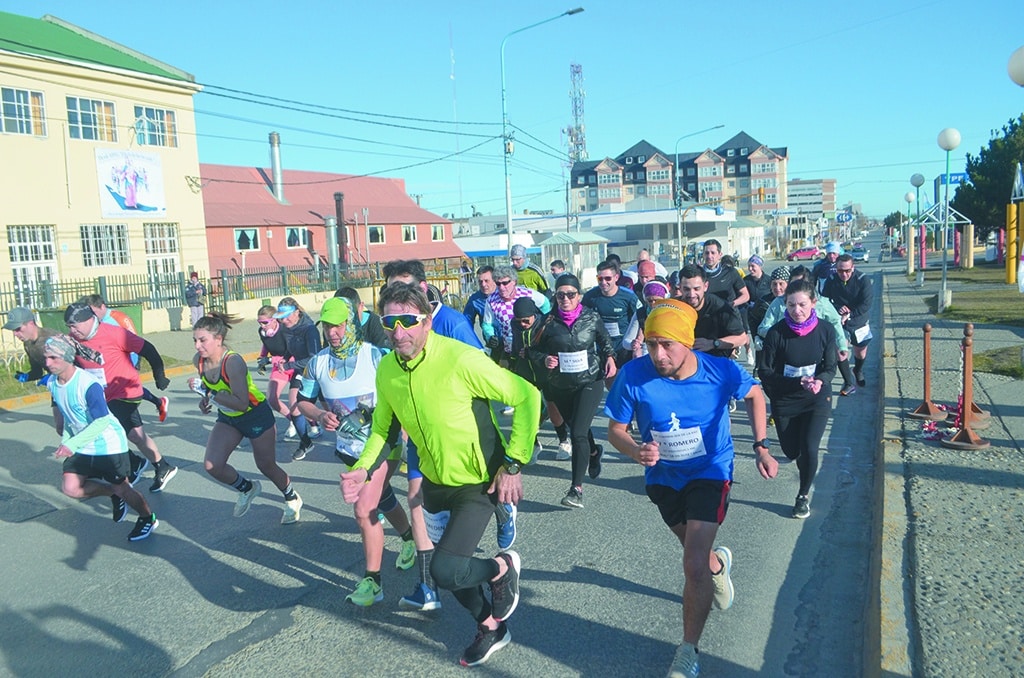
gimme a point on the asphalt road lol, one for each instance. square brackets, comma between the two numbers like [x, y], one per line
[212, 595]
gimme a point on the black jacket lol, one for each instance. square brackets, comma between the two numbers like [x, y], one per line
[855, 294]
[586, 334]
[303, 342]
[520, 361]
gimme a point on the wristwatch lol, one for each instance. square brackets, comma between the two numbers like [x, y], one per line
[717, 343]
[763, 442]
[513, 467]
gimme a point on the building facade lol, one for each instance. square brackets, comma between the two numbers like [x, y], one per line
[101, 171]
[813, 198]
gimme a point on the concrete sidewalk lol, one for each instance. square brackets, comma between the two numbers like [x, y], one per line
[953, 528]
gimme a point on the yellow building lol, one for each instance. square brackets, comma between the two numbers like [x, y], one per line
[100, 170]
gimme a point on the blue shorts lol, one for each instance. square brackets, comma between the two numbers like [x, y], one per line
[251, 424]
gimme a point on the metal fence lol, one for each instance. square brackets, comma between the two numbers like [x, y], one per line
[156, 291]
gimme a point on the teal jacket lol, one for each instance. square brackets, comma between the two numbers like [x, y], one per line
[824, 308]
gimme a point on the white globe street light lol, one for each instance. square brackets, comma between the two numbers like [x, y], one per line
[917, 181]
[1015, 67]
[949, 139]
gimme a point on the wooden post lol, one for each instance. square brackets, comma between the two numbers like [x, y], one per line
[965, 438]
[927, 409]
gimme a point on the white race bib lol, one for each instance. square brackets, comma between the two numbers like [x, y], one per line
[572, 363]
[862, 334]
[436, 524]
[680, 444]
[802, 371]
[613, 329]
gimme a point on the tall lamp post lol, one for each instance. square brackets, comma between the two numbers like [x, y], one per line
[917, 181]
[506, 136]
[909, 234]
[679, 192]
[1015, 68]
[948, 140]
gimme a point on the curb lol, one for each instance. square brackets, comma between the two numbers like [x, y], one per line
[22, 402]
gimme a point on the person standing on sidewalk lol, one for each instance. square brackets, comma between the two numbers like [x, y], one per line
[342, 378]
[195, 298]
[680, 400]
[797, 365]
[440, 390]
[93, 444]
[242, 412]
[851, 293]
[113, 367]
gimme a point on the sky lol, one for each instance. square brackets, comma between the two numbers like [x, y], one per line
[856, 91]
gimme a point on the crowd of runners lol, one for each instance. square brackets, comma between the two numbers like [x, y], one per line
[415, 387]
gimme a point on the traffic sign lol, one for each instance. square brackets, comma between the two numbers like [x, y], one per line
[843, 217]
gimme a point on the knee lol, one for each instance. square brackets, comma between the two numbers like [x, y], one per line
[213, 468]
[72, 488]
[696, 568]
[448, 570]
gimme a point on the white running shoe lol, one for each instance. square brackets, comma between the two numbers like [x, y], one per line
[564, 452]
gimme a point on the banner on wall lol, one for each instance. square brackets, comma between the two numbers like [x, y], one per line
[131, 184]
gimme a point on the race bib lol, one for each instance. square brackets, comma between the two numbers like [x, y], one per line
[572, 363]
[802, 371]
[613, 329]
[436, 524]
[680, 444]
[862, 334]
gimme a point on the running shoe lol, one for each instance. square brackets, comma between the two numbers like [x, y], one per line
[573, 498]
[686, 663]
[860, 378]
[848, 390]
[144, 527]
[508, 410]
[162, 408]
[486, 643]
[366, 594]
[422, 598]
[732, 405]
[505, 591]
[802, 507]
[163, 475]
[315, 432]
[291, 432]
[304, 447]
[407, 556]
[292, 508]
[136, 473]
[120, 508]
[507, 529]
[564, 452]
[245, 499]
[594, 463]
[724, 591]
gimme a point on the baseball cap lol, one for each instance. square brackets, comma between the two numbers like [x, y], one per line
[833, 248]
[17, 317]
[334, 311]
[284, 310]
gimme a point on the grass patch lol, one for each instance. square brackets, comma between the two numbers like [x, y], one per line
[988, 272]
[12, 388]
[992, 305]
[1005, 361]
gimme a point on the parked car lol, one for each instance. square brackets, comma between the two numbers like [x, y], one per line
[804, 253]
[860, 253]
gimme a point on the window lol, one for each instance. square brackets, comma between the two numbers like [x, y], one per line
[33, 263]
[593, 193]
[764, 168]
[711, 186]
[583, 194]
[376, 235]
[22, 112]
[604, 179]
[640, 176]
[609, 193]
[641, 190]
[690, 188]
[743, 168]
[408, 233]
[580, 180]
[641, 158]
[709, 171]
[247, 239]
[731, 169]
[691, 171]
[731, 184]
[629, 176]
[296, 236]
[659, 189]
[657, 175]
[744, 151]
[162, 263]
[762, 183]
[592, 179]
[105, 245]
[629, 190]
[91, 119]
[629, 160]
[437, 232]
[155, 127]
[731, 152]
[161, 239]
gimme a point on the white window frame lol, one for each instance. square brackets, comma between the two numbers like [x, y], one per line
[22, 111]
[254, 239]
[105, 245]
[155, 127]
[629, 160]
[32, 252]
[437, 232]
[731, 152]
[730, 169]
[691, 171]
[376, 234]
[641, 158]
[299, 232]
[85, 120]
[162, 245]
[657, 175]
[408, 233]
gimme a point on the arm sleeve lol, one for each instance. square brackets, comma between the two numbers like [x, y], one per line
[152, 356]
[828, 312]
[631, 332]
[771, 316]
[488, 322]
[542, 301]
[98, 411]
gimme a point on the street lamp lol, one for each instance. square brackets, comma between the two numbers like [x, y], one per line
[917, 181]
[909, 237]
[679, 191]
[1015, 67]
[948, 140]
[506, 136]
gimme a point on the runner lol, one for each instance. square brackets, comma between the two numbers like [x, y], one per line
[341, 377]
[112, 366]
[626, 279]
[93, 443]
[477, 302]
[826, 266]
[22, 321]
[680, 398]
[529, 274]
[440, 391]
[303, 341]
[633, 339]
[645, 255]
[758, 285]
[615, 305]
[723, 281]
[497, 321]
[797, 366]
[242, 412]
[850, 292]
[272, 353]
[578, 355]
[777, 288]
[719, 329]
[371, 331]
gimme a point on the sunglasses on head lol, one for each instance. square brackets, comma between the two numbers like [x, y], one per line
[566, 295]
[502, 283]
[405, 320]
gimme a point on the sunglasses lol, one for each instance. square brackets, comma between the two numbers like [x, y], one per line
[502, 283]
[265, 322]
[566, 295]
[605, 278]
[524, 321]
[405, 320]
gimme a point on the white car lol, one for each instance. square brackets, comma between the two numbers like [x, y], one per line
[860, 254]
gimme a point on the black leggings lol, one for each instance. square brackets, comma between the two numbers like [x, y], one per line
[578, 409]
[453, 566]
[800, 437]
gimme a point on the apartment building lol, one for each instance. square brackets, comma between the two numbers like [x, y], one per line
[812, 198]
[732, 173]
[101, 169]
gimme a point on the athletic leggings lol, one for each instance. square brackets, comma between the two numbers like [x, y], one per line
[453, 566]
[800, 437]
[578, 409]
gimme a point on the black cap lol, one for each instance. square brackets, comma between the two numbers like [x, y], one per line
[78, 312]
[568, 279]
[524, 308]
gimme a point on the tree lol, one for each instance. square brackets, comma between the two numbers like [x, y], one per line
[984, 197]
[893, 220]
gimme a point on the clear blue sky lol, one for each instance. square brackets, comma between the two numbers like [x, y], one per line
[857, 91]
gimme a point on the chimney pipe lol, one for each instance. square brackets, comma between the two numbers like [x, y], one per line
[275, 166]
[339, 210]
